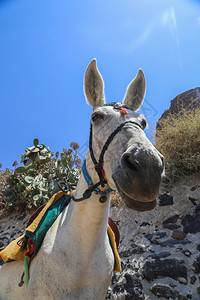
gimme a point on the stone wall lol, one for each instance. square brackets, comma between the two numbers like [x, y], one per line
[160, 249]
[11, 228]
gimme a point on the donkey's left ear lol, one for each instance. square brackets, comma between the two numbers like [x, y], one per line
[94, 85]
[135, 91]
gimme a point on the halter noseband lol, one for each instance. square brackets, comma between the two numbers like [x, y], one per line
[99, 165]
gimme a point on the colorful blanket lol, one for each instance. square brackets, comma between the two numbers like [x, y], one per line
[25, 247]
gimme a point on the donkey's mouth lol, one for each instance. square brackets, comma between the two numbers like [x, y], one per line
[135, 204]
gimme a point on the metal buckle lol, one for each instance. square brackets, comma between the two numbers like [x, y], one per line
[64, 186]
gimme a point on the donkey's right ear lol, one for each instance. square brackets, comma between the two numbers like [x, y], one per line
[94, 85]
[136, 91]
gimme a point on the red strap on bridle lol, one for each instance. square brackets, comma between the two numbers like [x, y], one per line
[102, 171]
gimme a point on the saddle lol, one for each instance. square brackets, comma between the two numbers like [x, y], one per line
[26, 246]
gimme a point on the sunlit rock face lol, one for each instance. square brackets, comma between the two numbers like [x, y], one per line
[188, 100]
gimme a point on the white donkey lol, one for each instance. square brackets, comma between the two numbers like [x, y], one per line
[75, 260]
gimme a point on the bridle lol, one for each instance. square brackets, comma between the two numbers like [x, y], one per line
[98, 165]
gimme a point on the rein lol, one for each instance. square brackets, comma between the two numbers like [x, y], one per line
[98, 165]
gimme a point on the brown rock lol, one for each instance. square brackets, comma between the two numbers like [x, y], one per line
[178, 234]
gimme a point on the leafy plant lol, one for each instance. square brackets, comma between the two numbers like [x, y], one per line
[37, 153]
[37, 180]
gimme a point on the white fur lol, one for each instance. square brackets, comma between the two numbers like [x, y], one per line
[135, 92]
[94, 85]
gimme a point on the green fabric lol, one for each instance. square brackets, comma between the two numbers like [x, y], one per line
[38, 235]
[26, 270]
[46, 222]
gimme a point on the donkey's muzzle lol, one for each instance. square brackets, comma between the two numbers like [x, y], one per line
[142, 172]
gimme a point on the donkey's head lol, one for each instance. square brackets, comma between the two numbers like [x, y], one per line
[131, 164]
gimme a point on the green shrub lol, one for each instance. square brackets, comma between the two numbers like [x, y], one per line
[36, 181]
[4, 177]
[179, 141]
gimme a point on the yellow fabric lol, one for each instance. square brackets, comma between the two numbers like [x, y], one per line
[117, 266]
[32, 227]
[12, 251]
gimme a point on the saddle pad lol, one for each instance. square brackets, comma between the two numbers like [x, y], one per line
[35, 233]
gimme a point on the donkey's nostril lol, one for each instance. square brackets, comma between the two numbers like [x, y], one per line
[129, 164]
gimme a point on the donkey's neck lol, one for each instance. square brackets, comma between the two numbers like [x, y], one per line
[82, 242]
[88, 218]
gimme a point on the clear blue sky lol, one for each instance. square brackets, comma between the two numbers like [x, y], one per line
[46, 45]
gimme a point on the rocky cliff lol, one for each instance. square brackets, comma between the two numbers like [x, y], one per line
[188, 100]
[160, 249]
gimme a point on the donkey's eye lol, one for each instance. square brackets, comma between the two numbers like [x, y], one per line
[144, 123]
[97, 117]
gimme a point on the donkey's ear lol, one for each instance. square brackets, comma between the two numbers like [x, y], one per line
[94, 85]
[135, 91]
